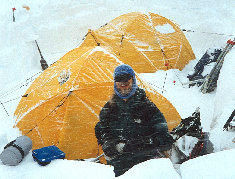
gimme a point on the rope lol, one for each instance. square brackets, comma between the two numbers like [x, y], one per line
[58, 106]
[4, 108]
[166, 64]
[62, 101]
[213, 33]
[178, 78]
[156, 86]
[20, 85]
[11, 100]
[167, 69]
[98, 44]
[15, 89]
[164, 83]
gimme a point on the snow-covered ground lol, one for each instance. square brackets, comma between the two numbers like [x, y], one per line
[59, 26]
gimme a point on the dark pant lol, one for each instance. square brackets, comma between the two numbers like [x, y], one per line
[124, 162]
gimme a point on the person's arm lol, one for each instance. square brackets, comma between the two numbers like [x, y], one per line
[161, 136]
[104, 134]
[102, 129]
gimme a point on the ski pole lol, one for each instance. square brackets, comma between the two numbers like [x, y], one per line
[13, 9]
[43, 62]
[97, 158]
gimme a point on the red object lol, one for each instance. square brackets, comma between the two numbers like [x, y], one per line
[231, 42]
[167, 64]
[13, 8]
[174, 81]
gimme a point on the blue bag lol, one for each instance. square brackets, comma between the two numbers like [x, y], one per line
[45, 155]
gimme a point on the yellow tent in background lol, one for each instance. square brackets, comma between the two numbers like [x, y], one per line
[62, 105]
[146, 42]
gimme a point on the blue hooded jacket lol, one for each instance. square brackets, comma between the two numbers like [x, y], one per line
[125, 69]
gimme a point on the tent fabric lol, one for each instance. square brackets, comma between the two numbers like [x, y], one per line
[62, 105]
[65, 115]
[146, 42]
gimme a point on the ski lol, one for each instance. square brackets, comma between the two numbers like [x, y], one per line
[197, 82]
[210, 82]
[230, 123]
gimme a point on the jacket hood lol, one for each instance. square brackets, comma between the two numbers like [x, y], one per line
[125, 69]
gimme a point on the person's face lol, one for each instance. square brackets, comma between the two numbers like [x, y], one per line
[124, 87]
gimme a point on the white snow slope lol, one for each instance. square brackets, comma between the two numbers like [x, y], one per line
[59, 26]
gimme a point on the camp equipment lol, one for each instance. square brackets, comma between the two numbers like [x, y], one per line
[210, 82]
[209, 56]
[45, 155]
[190, 126]
[16, 150]
[43, 62]
[230, 123]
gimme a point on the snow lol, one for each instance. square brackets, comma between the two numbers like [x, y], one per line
[165, 29]
[59, 26]
[154, 168]
[216, 165]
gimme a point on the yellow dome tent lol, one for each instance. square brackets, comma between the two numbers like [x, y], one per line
[62, 105]
[147, 42]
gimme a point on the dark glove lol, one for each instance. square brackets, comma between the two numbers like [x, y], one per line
[165, 142]
[109, 148]
[142, 143]
[151, 141]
